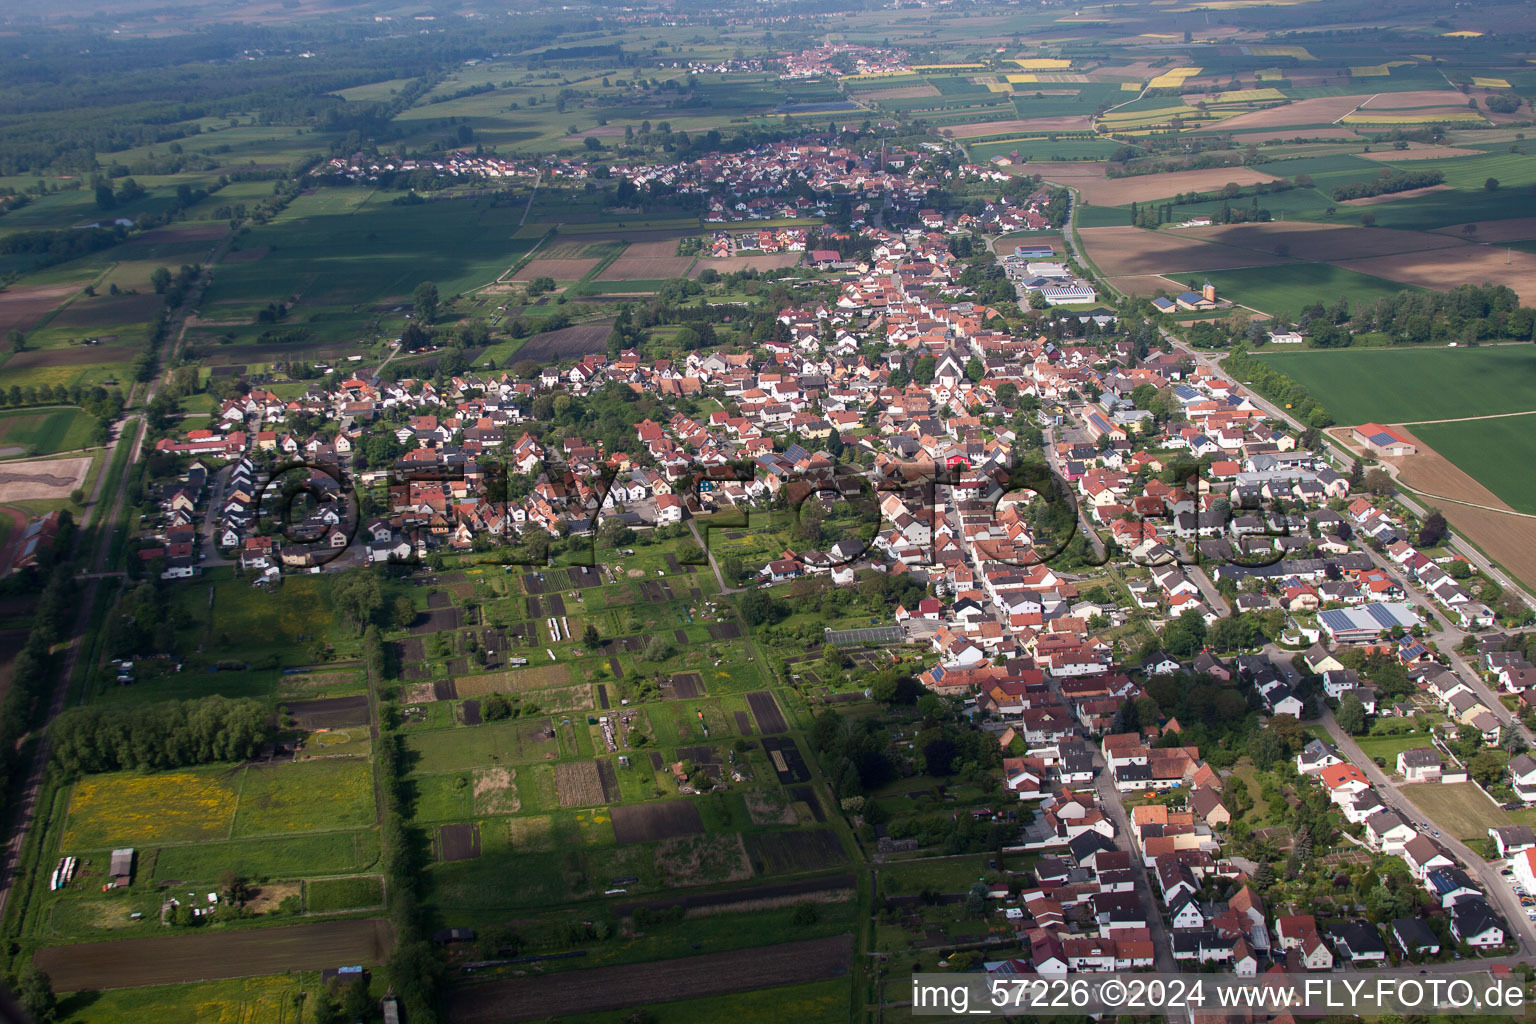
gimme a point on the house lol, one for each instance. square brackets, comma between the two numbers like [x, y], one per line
[1522, 777]
[1523, 865]
[1450, 886]
[1359, 943]
[1423, 855]
[1414, 937]
[1387, 832]
[1474, 922]
[1419, 764]
[1205, 801]
[1512, 839]
[1316, 756]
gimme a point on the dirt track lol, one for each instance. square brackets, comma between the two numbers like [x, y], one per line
[615, 988]
[131, 963]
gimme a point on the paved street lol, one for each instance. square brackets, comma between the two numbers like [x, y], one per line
[1486, 873]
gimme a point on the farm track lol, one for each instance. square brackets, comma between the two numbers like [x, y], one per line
[618, 987]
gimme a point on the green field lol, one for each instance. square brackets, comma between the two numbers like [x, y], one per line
[44, 431]
[1401, 385]
[1286, 290]
[1497, 453]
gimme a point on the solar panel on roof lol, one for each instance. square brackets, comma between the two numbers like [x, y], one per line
[1383, 438]
[1382, 614]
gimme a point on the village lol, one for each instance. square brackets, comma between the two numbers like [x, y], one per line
[1212, 507]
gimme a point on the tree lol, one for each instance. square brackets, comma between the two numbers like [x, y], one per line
[235, 886]
[160, 278]
[590, 637]
[1492, 184]
[1351, 715]
[356, 1004]
[1378, 482]
[1487, 767]
[976, 900]
[357, 597]
[34, 990]
[425, 301]
[1433, 530]
[496, 707]
[757, 607]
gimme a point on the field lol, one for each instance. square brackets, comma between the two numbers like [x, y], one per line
[650, 268]
[1286, 291]
[1467, 264]
[613, 988]
[44, 431]
[1460, 808]
[1143, 188]
[130, 963]
[42, 481]
[816, 1002]
[131, 809]
[334, 793]
[134, 810]
[1489, 450]
[566, 343]
[1320, 242]
[1121, 252]
[560, 270]
[239, 1001]
[1413, 385]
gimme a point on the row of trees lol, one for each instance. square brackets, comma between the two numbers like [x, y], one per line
[171, 734]
[1385, 183]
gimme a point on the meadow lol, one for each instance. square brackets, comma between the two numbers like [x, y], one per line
[44, 431]
[196, 806]
[1285, 291]
[1399, 385]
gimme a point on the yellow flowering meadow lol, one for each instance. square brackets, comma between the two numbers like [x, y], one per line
[127, 809]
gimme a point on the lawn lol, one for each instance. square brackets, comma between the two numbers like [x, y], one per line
[1460, 808]
[328, 894]
[306, 796]
[1488, 449]
[130, 809]
[1285, 290]
[1388, 747]
[278, 857]
[1400, 385]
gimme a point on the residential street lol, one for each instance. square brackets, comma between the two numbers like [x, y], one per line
[1486, 873]
[1109, 798]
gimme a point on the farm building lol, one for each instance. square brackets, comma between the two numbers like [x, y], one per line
[121, 869]
[1384, 439]
[1203, 299]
